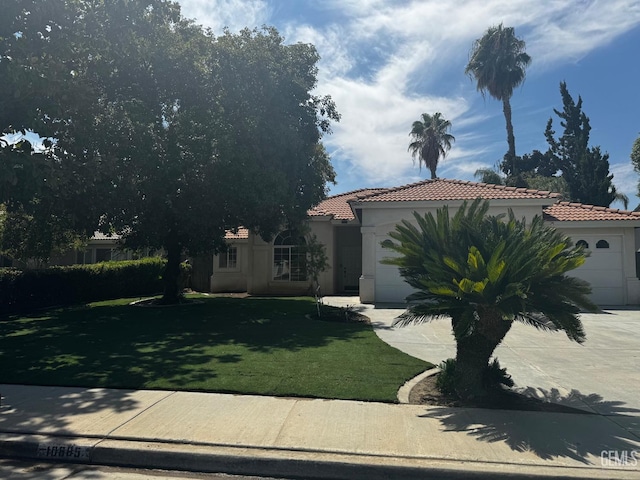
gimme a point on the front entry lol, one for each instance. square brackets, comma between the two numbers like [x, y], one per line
[349, 259]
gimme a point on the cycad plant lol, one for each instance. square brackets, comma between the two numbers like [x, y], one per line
[485, 272]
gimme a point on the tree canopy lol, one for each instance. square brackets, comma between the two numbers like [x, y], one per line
[585, 169]
[163, 133]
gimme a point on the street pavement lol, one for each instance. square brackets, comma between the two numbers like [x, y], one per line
[336, 439]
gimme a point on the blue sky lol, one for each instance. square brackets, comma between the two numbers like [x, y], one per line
[385, 62]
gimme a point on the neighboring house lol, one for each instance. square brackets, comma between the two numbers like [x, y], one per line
[99, 248]
[353, 225]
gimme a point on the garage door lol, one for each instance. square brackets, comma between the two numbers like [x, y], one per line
[390, 287]
[603, 269]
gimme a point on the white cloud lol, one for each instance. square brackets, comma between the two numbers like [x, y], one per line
[626, 181]
[373, 134]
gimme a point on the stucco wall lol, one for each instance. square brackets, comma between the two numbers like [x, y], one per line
[232, 279]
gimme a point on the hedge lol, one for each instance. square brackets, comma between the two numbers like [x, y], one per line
[23, 291]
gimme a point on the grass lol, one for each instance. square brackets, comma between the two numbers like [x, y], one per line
[260, 346]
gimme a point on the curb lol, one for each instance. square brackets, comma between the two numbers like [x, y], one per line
[405, 390]
[280, 463]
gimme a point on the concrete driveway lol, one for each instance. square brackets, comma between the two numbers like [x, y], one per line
[601, 375]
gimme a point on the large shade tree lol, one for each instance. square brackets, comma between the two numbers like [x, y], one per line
[164, 133]
[498, 62]
[484, 273]
[431, 140]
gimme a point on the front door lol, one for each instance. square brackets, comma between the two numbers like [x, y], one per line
[350, 268]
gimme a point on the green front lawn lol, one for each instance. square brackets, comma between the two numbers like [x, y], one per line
[253, 345]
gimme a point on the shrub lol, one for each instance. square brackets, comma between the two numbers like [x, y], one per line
[493, 378]
[29, 290]
[446, 380]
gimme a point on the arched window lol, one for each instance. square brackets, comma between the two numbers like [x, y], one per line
[602, 244]
[289, 258]
[582, 243]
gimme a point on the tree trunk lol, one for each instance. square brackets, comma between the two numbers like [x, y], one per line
[433, 172]
[511, 140]
[475, 350]
[171, 276]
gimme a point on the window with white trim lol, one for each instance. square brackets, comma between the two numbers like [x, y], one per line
[289, 258]
[228, 259]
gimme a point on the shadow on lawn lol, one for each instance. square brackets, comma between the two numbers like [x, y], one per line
[131, 347]
[550, 435]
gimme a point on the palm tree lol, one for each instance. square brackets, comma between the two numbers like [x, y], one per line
[485, 272]
[430, 140]
[497, 62]
[489, 175]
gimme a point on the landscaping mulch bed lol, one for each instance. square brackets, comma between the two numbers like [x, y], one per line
[427, 393]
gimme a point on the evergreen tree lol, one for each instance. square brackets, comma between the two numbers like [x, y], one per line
[584, 168]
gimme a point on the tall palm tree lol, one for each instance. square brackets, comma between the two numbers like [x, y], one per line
[497, 62]
[430, 140]
[485, 272]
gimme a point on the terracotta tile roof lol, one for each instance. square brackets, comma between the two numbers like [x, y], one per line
[241, 234]
[338, 207]
[443, 189]
[573, 212]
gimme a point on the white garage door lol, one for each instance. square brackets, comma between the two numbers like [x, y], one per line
[390, 287]
[603, 269]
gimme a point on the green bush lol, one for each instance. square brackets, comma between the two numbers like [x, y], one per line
[446, 380]
[28, 290]
[494, 377]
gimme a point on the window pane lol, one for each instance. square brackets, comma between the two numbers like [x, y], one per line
[298, 265]
[232, 257]
[281, 263]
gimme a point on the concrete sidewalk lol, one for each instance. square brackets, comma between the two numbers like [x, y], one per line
[309, 438]
[316, 438]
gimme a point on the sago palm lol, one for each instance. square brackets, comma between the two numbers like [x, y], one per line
[431, 140]
[485, 272]
[497, 62]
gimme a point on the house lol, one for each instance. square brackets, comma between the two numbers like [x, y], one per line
[353, 225]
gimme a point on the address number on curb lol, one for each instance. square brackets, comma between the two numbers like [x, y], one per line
[67, 451]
